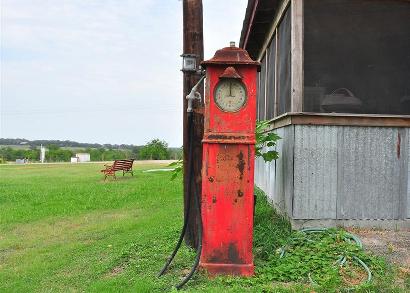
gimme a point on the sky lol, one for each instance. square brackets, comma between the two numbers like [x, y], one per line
[100, 71]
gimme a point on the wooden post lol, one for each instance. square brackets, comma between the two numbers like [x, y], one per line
[297, 55]
[192, 44]
[276, 108]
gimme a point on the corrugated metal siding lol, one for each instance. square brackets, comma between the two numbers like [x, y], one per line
[273, 177]
[257, 173]
[408, 175]
[266, 177]
[262, 175]
[288, 155]
[404, 172]
[283, 189]
[276, 192]
[269, 177]
[339, 172]
[315, 179]
[370, 172]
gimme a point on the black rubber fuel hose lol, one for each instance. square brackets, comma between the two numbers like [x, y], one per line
[181, 236]
[199, 248]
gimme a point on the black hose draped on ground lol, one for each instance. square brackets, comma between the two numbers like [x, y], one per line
[181, 236]
[199, 248]
[194, 192]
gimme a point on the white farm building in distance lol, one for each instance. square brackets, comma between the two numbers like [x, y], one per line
[80, 158]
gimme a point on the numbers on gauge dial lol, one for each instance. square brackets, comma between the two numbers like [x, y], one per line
[230, 95]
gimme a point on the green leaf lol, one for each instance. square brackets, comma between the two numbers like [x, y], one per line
[265, 139]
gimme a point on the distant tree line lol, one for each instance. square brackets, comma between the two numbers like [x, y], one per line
[153, 150]
[11, 154]
[61, 143]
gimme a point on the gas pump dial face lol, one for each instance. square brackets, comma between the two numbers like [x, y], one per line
[230, 95]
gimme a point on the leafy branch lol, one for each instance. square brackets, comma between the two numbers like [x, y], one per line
[265, 139]
[178, 166]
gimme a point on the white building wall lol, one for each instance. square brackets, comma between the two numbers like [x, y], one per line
[83, 157]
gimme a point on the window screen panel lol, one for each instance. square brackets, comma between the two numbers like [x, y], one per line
[270, 87]
[357, 56]
[284, 59]
[261, 96]
[258, 81]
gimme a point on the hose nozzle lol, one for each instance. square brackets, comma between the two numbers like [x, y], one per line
[194, 95]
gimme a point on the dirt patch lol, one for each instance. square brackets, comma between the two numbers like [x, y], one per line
[353, 275]
[115, 271]
[392, 245]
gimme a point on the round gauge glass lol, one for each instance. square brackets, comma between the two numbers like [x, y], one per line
[230, 95]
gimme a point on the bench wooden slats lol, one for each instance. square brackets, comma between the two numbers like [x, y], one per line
[119, 165]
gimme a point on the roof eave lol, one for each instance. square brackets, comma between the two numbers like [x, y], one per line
[247, 22]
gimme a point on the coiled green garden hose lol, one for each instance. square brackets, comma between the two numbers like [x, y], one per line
[342, 259]
[348, 236]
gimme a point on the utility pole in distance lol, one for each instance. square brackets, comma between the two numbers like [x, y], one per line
[192, 44]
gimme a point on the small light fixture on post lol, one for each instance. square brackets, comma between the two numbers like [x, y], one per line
[189, 63]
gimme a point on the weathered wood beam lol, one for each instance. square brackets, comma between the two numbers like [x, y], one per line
[296, 79]
[192, 44]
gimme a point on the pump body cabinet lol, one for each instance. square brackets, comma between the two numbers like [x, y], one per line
[227, 203]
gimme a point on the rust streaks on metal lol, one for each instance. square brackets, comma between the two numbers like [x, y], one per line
[231, 56]
[233, 255]
[221, 136]
[229, 138]
[241, 164]
[228, 254]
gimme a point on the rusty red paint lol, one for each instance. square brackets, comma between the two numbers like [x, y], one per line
[228, 138]
[230, 72]
[228, 154]
[230, 56]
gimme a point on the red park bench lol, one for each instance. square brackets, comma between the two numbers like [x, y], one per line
[119, 165]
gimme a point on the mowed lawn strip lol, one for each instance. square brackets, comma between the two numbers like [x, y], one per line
[63, 228]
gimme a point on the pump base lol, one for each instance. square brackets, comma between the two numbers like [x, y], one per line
[215, 269]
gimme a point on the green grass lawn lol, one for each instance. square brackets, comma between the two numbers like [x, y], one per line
[62, 228]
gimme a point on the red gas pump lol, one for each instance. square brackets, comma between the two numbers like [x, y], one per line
[228, 162]
[226, 229]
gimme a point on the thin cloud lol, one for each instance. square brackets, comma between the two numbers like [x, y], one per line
[68, 65]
